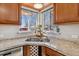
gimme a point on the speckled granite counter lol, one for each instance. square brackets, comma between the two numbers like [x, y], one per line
[61, 45]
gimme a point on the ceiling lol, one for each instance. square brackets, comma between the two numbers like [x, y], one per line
[31, 5]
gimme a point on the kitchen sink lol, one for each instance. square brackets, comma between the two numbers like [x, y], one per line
[37, 39]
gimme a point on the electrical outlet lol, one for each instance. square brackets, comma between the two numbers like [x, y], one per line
[75, 36]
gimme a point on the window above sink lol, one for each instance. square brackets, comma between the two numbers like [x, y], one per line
[30, 19]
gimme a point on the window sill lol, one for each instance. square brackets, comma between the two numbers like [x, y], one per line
[24, 31]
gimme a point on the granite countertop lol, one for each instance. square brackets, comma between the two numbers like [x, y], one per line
[63, 46]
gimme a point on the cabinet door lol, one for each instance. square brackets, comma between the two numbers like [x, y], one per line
[66, 12]
[9, 13]
[51, 52]
[26, 50]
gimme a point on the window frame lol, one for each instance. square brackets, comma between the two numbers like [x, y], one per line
[29, 11]
[51, 18]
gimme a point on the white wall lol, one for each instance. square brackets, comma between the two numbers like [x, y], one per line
[69, 30]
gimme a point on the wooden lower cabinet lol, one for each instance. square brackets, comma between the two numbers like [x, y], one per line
[50, 52]
[26, 50]
[44, 52]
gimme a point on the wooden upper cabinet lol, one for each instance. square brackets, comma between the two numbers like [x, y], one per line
[9, 13]
[66, 12]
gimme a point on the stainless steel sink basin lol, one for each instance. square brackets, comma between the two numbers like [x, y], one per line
[37, 39]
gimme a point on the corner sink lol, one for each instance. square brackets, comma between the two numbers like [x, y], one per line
[37, 39]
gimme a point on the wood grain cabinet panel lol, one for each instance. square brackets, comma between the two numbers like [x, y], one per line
[9, 13]
[45, 51]
[66, 12]
[51, 52]
[26, 50]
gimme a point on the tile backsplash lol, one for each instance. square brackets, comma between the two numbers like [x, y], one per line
[69, 30]
[66, 30]
[7, 30]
